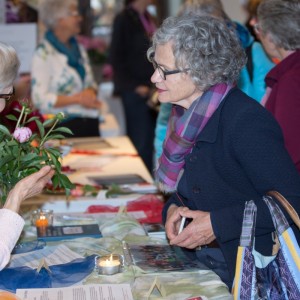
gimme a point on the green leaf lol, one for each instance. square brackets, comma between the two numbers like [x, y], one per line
[54, 151]
[4, 130]
[32, 119]
[55, 180]
[65, 182]
[55, 161]
[29, 157]
[63, 129]
[40, 127]
[68, 193]
[12, 117]
[48, 123]
[55, 137]
[6, 159]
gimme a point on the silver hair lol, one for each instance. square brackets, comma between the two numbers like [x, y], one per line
[9, 65]
[281, 19]
[205, 45]
[50, 11]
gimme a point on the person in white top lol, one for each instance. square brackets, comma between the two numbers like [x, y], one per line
[11, 223]
[62, 78]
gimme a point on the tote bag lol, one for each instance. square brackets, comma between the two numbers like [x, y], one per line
[274, 277]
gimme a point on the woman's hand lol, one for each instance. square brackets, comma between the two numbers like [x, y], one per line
[28, 187]
[198, 232]
[88, 98]
[174, 216]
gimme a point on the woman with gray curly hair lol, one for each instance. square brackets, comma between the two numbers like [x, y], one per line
[279, 31]
[216, 154]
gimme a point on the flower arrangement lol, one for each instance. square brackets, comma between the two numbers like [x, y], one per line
[23, 150]
[95, 47]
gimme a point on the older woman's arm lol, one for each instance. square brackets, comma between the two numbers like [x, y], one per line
[11, 224]
[10, 230]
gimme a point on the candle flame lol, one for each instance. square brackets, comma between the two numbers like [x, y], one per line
[109, 260]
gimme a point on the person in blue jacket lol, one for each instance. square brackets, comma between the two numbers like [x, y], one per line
[251, 78]
[222, 148]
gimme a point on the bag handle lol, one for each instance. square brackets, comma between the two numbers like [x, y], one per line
[248, 227]
[279, 220]
[287, 206]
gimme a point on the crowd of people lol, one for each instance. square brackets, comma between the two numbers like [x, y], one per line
[226, 131]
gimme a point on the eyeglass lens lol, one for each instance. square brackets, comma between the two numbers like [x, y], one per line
[158, 68]
[8, 96]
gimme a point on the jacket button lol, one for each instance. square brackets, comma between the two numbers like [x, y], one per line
[196, 190]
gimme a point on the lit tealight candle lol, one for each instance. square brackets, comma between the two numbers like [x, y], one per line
[42, 221]
[109, 266]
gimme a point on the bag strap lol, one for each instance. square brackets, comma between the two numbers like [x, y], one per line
[279, 219]
[287, 206]
[248, 227]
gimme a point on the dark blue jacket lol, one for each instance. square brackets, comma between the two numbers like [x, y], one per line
[239, 156]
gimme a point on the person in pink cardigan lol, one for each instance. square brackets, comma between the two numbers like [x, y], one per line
[11, 223]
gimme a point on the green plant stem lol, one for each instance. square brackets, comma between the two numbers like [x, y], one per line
[45, 137]
[20, 117]
[25, 117]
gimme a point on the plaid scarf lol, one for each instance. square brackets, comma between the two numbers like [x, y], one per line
[183, 129]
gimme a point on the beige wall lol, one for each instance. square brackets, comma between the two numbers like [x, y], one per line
[232, 7]
[234, 10]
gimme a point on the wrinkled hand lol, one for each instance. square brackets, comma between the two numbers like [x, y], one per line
[87, 98]
[28, 187]
[197, 233]
[174, 216]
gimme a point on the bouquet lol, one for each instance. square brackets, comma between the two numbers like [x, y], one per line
[24, 151]
[95, 47]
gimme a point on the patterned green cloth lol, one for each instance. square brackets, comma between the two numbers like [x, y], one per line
[172, 285]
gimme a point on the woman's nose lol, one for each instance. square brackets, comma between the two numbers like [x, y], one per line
[156, 76]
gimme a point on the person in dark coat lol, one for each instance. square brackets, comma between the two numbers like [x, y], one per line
[221, 149]
[132, 31]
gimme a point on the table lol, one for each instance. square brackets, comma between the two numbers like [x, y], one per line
[92, 157]
[116, 155]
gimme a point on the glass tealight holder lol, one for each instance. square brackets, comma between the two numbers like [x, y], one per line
[109, 264]
[42, 217]
[4, 295]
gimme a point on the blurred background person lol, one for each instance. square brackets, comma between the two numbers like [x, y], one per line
[251, 9]
[132, 31]
[278, 24]
[62, 78]
[251, 78]
[11, 223]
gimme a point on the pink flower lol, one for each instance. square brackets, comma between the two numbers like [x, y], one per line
[22, 134]
[77, 192]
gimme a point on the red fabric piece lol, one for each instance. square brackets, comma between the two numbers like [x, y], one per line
[150, 204]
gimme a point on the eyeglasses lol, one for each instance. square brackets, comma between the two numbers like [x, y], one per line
[163, 74]
[8, 96]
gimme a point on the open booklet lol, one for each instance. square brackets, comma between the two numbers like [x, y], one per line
[82, 292]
